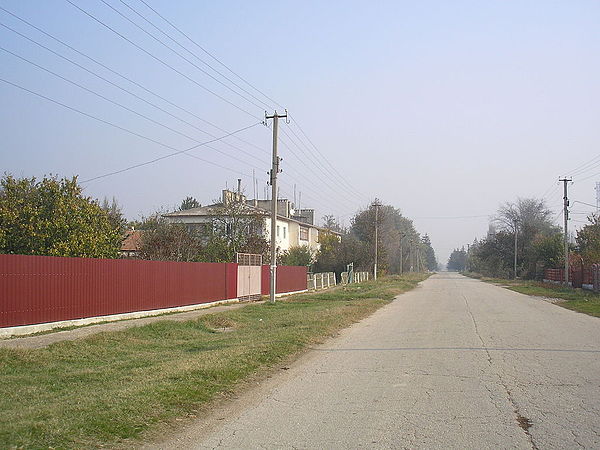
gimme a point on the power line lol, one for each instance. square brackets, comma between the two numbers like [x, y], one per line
[160, 60]
[194, 54]
[178, 152]
[587, 178]
[115, 85]
[334, 191]
[584, 203]
[585, 164]
[115, 103]
[106, 122]
[208, 53]
[191, 113]
[176, 52]
[323, 156]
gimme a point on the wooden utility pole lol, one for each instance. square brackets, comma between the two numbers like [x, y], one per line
[566, 214]
[376, 204]
[273, 182]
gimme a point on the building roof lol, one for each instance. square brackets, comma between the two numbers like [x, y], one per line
[131, 241]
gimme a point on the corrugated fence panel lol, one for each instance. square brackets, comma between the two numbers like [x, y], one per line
[39, 289]
[289, 279]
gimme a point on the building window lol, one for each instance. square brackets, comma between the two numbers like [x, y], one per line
[277, 230]
[284, 232]
[303, 233]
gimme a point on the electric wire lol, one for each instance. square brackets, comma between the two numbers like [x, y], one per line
[118, 12]
[323, 156]
[208, 53]
[581, 166]
[335, 192]
[191, 113]
[90, 15]
[177, 53]
[322, 167]
[119, 127]
[194, 54]
[178, 152]
[113, 102]
[117, 86]
[584, 203]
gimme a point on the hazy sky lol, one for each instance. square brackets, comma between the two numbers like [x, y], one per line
[441, 109]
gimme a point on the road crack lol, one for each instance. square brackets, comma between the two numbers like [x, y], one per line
[524, 423]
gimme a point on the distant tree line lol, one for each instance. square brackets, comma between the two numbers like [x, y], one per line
[539, 243]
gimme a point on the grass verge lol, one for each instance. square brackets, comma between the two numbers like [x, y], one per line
[580, 300]
[113, 386]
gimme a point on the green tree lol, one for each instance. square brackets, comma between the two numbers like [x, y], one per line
[189, 203]
[588, 240]
[392, 228]
[300, 255]
[531, 219]
[52, 217]
[430, 260]
[457, 261]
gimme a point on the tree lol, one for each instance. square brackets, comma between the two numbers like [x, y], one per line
[531, 219]
[430, 260]
[300, 255]
[392, 228]
[115, 214]
[588, 240]
[331, 223]
[457, 261]
[188, 203]
[52, 217]
[163, 241]
[236, 228]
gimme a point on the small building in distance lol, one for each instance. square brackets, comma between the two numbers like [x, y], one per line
[130, 246]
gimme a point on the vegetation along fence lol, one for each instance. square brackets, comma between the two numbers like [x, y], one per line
[40, 289]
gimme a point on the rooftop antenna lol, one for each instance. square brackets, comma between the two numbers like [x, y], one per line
[239, 191]
[294, 195]
[254, 183]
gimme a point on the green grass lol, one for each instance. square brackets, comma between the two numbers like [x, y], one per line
[580, 300]
[111, 387]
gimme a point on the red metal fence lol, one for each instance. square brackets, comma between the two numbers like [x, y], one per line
[39, 289]
[579, 275]
[288, 279]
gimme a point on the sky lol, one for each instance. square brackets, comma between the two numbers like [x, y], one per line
[444, 110]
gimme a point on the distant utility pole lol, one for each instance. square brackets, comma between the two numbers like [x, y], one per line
[376, 204]
[566, 214]
[273, 182]
[515, 269]
[401, 257]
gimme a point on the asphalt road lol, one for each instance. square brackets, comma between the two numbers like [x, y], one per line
[456, 363]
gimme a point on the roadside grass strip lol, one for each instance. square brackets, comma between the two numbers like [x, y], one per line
[581, 300]
[109, 388]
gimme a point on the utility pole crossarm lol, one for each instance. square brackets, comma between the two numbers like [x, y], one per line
[273, 182]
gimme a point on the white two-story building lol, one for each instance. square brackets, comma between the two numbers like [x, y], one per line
[293, 228]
